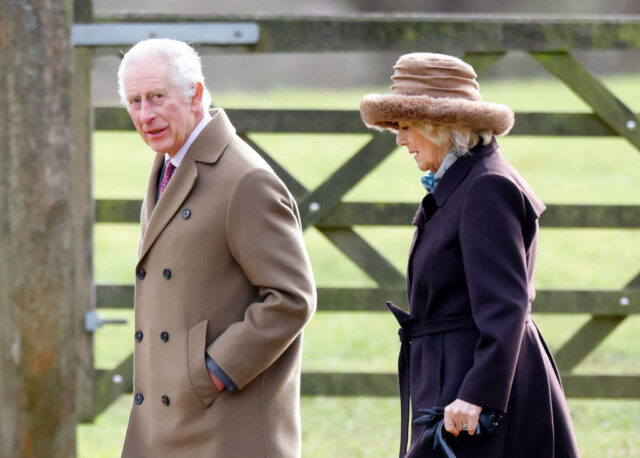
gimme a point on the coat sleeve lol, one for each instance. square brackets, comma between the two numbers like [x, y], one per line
[265, 238]
[494, 257]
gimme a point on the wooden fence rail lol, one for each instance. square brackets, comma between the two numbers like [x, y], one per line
[598, 302]
[349, 122]
[348, 214]
[399, 32]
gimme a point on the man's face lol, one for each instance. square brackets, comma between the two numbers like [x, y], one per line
[157, 108]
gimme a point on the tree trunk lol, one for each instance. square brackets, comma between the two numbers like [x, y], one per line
[38, 322]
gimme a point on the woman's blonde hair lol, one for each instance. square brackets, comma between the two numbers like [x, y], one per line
[460, 139]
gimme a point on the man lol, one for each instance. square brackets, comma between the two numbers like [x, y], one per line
[223, 283]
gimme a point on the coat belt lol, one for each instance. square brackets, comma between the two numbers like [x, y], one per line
[410, 328]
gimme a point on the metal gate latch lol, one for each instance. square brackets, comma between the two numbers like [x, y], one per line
[93, 321]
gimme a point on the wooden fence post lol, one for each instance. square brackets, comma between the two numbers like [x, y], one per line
[82, 198]
[38, 307]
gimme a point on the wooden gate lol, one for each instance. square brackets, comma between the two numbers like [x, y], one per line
[481, 42]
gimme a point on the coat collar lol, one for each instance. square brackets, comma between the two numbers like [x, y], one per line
[213, 140]
[450, 181]
[207, 147]
[456, 173]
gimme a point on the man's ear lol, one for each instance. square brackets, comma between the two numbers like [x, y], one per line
[196, 101]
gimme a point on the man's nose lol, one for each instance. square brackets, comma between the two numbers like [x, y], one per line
[147, 111]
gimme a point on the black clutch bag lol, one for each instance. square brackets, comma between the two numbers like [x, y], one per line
[433, 420]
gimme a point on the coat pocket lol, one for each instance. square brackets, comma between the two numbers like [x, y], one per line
[198, 374]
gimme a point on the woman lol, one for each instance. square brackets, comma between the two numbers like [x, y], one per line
[473, 346]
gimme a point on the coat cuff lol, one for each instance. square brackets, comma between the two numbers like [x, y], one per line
[218, 372]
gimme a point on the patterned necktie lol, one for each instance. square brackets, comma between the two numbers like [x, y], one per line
[168, 172]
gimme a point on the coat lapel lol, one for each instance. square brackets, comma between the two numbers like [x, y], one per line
[430, 204]
[458, 171]
[207, 147]
[150, 197]
[174, 194]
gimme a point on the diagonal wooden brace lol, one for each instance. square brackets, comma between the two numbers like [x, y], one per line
[595, 94]
[325, 197]
[482, 62]
[346, 240]
[589, 336]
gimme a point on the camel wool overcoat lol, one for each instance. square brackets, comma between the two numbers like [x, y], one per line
[222, 268]
[472, 262]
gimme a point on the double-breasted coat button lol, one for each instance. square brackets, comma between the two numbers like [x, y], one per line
[138, 398]
[139, 336]
[166, 273]
[186, 213]
[165, 400]
[141, 273]
[164, 336]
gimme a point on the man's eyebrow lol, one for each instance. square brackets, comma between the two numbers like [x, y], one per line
[145, 92]
[152, 89]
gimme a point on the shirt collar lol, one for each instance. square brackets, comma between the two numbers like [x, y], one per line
[177, 158]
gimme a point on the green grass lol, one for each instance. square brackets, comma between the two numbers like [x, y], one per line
[353, 427]
[561, 170]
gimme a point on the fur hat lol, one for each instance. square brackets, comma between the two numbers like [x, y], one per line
[438, 89]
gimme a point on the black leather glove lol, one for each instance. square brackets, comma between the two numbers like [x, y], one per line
[433, 419]
[488, 421]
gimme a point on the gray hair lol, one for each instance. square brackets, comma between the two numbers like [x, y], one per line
[185, 69]
[460, 139]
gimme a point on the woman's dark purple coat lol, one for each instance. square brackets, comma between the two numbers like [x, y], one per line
[473, 254]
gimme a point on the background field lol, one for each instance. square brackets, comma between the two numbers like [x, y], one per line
[561, 170]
